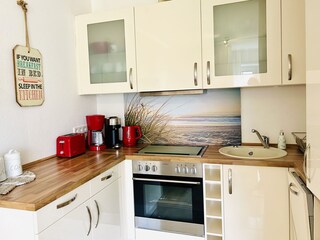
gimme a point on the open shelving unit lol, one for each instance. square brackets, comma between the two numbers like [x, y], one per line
[213, 202]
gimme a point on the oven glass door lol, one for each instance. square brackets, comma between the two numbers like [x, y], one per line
[169, 198]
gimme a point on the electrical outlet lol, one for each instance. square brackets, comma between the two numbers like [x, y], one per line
[80, 129]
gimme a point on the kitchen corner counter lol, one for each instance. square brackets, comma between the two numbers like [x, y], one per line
[58, 176]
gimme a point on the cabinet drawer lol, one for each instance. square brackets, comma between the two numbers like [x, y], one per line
[104, 179]
[61, 206]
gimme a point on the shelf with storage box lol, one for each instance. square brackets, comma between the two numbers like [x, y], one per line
[213, 202]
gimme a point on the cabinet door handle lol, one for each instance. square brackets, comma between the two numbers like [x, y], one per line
[292, 190]
[106, 177]
[195, 74]
[208, 73]
[90, 220]
[230, 180]
[289, 67]
[98, 211]
[305, 160]
[66, 203]
[130, 78]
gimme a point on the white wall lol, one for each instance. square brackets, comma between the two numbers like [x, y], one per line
[33, 130]
[271, 109]
[99, 5]
[111, 105]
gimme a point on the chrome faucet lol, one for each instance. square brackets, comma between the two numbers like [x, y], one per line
[263, 139]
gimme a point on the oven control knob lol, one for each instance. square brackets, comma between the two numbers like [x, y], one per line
[140, 168]
[154, 168]
[177, 169]
[194, 170]
[185, 170]
[147, 168]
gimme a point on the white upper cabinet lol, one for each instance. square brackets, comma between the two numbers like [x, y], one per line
[293, 42]
[106, 52]
[313, 96]
[241, 43]
[168, 43]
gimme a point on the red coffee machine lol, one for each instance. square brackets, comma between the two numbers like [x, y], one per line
[95, 132]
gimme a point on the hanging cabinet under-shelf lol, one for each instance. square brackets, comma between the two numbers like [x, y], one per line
[106, 52]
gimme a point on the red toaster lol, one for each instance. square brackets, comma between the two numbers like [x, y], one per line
[71, 145]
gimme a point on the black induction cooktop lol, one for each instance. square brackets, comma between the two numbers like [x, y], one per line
[179, 150]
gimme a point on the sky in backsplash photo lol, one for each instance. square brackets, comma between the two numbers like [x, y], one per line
[185, 119]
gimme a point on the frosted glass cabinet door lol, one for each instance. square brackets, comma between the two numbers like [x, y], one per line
[106, 52]
[241, 43]
[168, 37]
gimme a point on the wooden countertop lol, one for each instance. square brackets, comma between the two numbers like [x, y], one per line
[58, 176]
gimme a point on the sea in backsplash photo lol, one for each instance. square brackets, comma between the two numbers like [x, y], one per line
[211, 118]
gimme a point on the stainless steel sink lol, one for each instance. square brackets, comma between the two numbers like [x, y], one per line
[252, 152]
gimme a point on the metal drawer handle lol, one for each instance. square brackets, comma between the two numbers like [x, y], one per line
[208, 73]
[230, 180]
[292, 190]
[289, 67]
[106, 177]
[90, 220]
[195, 74]
[66, 203]
[130, 78]
[98, 211]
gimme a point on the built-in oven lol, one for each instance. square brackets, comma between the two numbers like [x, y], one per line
[168, 196]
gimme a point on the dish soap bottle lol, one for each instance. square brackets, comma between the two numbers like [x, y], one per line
[282, 141]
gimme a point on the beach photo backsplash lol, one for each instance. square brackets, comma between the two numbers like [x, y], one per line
[212, 118]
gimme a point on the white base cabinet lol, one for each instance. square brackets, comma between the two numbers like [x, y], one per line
[301, 209]
[98, 218]
[75, 225]
[256, 204]
[91, 211]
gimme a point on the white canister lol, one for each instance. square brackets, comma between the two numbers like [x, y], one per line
[12, 163]
[3, 175]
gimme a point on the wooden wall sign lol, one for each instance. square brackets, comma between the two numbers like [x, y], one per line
[28, 70]
[28, 76]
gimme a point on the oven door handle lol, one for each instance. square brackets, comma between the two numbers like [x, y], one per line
[166, 181]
